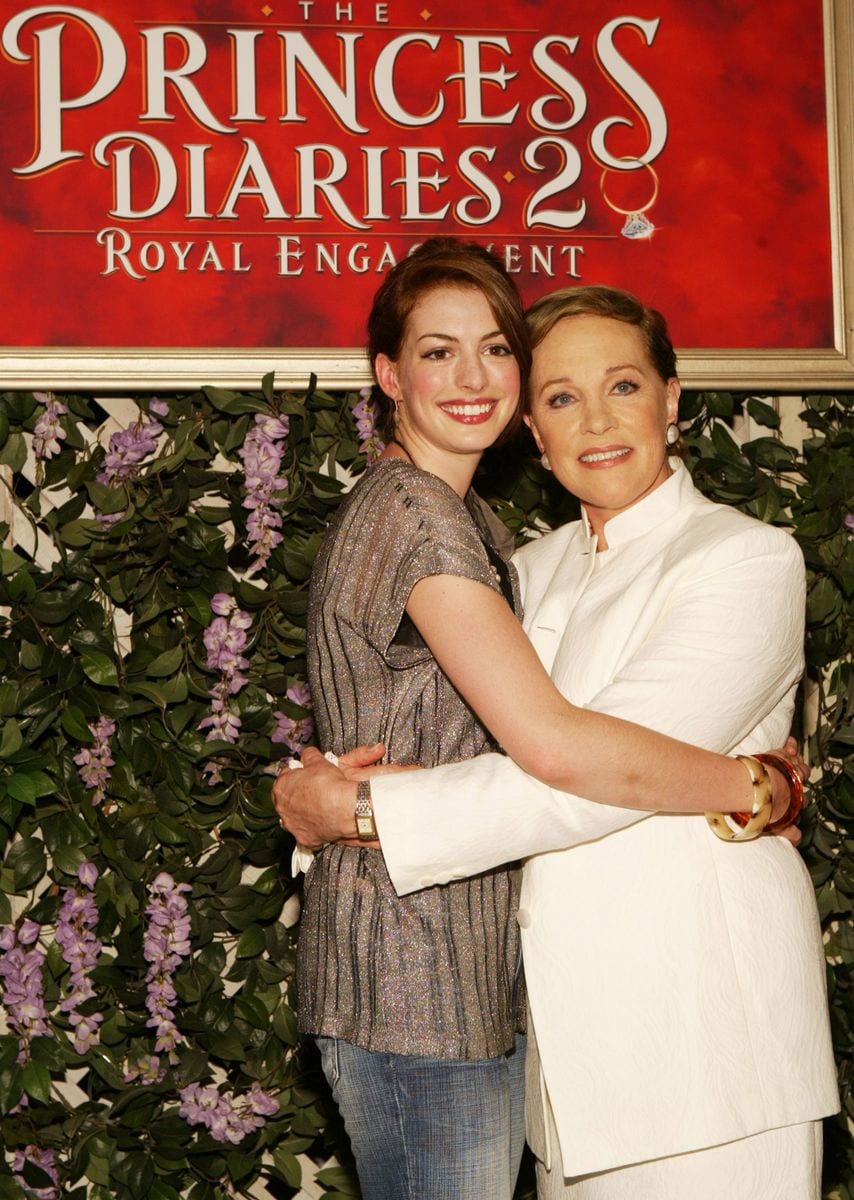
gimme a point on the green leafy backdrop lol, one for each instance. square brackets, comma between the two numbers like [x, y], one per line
[110, 624]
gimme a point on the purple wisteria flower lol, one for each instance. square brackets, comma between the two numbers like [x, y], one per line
[261, 454]
[227, 1117]
[44, 1159]
[108, 520]
[126, 450]
[225, 639]
[78, 917]
[294, 734]
[365, 416]
[166, 944]
[95, 761]
[21, 975]
[48, 432]
[146, 1068]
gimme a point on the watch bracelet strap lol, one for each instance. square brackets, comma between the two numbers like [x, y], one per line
[364, 812]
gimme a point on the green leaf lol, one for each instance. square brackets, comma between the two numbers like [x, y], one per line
[36, 1081]
[229, 1047]
[288, 1167]
[46, 1052]
[99, 667]
[762, 413]
[725, 443]
[27, 786]
[719, 404]
[68, 859]
[11, 739]
[252, 1010]
[251, 942]
[74, 723]
[240, 1165]
[823, 602]
[10, 562]
[166, 663]
[107, 499]
[98, 1169]
[170, 832]
[21, 588]
[231, 402]
[26, 860]
[11, 1088]
[163, 1191]
[10, 1189]
[169, 691]
[14, 452]
[136, 1170]
[171, 461]
[285, 1024]
[340, 1178]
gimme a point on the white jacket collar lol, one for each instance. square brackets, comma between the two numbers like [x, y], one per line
[648, 513]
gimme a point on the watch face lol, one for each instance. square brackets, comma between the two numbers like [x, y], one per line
[365, 828]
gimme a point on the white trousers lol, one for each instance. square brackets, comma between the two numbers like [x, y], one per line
[779, 1164]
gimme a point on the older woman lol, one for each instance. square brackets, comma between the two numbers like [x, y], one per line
[675, 982]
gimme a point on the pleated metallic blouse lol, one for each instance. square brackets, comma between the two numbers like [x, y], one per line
[434, 973]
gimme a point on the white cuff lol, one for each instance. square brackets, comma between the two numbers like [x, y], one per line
[302, 857]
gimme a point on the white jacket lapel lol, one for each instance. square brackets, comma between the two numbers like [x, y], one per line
[552, 574]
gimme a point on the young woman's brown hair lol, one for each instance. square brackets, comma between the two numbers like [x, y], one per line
[443, 262]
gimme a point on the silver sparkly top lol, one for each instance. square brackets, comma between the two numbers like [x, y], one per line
[433, 973]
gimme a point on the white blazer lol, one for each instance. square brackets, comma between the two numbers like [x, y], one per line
[676, 982]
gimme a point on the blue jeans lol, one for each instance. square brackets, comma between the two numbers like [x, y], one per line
[430, 1128]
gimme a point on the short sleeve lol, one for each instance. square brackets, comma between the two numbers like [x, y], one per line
[402, 526]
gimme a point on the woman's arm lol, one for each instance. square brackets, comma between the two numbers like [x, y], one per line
[486, 654]
[727, 643]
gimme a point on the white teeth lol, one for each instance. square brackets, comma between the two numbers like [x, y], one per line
[603, 455]
[467, 410]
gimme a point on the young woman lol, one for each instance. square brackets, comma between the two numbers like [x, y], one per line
[408, 633]
[676, 982]
[416, 1003]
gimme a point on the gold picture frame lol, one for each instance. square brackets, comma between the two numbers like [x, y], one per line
[126, 369]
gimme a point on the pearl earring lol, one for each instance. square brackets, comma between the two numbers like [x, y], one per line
[544, 459]
[671, 434]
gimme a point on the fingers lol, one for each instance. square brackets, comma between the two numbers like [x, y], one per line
[791, 751]
[363, 756]
[358, 773]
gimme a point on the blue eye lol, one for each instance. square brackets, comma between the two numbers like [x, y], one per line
[560, 400]
[626, 387]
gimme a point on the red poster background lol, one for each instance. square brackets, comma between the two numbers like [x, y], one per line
[741, 251]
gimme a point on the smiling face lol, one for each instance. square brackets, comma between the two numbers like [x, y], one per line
[599, 409]
[455, 381]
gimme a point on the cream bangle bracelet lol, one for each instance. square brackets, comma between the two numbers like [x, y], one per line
[743, 827]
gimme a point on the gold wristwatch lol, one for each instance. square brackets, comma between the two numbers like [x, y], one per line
[366, 830]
